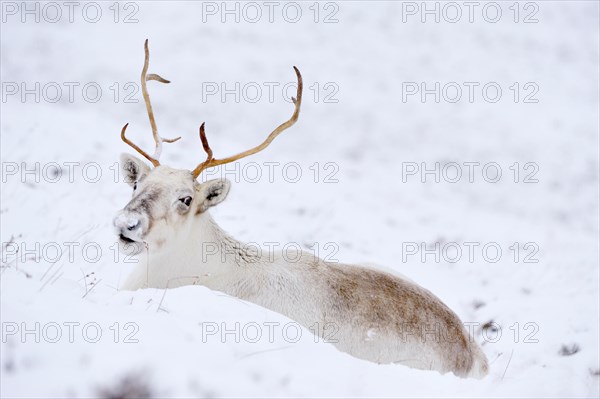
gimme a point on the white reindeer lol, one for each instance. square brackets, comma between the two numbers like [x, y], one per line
[373, 315]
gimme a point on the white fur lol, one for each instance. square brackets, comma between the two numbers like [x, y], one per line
[191, 249]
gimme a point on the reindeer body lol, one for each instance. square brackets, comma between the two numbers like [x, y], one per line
[366, 313]
[369, 314]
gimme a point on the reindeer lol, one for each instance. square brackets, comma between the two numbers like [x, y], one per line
[367, 313]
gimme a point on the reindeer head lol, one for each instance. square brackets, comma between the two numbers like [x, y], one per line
[166, 201]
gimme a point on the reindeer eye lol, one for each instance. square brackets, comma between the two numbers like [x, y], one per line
[186, 200]
[134, 186]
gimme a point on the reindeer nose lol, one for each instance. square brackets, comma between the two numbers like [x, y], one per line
[133, 224]
[130, 224]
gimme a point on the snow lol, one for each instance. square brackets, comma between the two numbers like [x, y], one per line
[362, 206]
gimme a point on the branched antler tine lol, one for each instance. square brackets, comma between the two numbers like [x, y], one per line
[156, 77]
[145, 78]
[135, 147]
[147, 96]
[210, 162]
[157, 139]
[207, 149]
[209, 153]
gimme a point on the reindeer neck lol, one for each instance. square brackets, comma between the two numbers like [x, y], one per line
[205, 254]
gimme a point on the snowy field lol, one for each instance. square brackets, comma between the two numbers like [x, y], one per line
[504, 93]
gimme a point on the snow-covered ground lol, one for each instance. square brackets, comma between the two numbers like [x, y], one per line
[67, 331]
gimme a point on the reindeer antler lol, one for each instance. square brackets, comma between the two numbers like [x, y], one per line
[210, 161]
[159, 140]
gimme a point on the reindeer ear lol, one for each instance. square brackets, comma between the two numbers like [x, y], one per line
[211, 193]
[133, 168]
